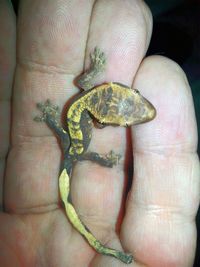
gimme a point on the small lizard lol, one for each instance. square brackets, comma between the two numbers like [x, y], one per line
[110, 104]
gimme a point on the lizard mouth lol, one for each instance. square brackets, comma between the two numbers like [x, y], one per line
[151, 111]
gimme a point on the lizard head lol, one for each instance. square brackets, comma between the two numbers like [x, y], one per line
[135, 109]
[123, 106]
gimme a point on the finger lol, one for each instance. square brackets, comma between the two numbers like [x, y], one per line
[51, 43]
[7, 65]
[122, 30]
[159, 225]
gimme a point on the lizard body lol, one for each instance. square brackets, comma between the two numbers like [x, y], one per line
[110, 103]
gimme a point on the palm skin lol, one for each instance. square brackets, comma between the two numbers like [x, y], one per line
[54, 39]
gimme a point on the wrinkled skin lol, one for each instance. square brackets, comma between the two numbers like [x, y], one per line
[54, 42]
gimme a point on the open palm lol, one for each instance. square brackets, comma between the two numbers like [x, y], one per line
[54, 39]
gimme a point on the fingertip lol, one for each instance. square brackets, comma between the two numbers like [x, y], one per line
[163, 82]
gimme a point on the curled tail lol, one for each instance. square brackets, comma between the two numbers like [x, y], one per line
[64, 186]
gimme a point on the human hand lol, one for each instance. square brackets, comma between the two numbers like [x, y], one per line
[54, 41]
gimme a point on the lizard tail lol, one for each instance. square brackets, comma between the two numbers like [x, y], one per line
[64, 186]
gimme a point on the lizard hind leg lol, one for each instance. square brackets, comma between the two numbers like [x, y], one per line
[108, 160]
[64, 186]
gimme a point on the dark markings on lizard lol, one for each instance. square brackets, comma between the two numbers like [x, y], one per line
[110, 104]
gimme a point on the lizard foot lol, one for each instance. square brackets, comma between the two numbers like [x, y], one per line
[98, 59]
[108, 160]
[113, 158]
[97, 65]
[48, 110]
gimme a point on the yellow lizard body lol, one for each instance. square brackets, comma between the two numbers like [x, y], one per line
[110, 104]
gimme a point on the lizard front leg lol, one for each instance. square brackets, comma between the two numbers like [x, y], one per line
[51, 115]
[97, 65]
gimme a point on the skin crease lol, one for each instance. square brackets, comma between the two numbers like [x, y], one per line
[159, 225]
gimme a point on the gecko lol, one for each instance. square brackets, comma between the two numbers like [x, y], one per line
[110, 103]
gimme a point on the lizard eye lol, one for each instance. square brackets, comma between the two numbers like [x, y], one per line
[136, 91]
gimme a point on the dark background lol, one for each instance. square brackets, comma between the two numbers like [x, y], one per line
[176, 35]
